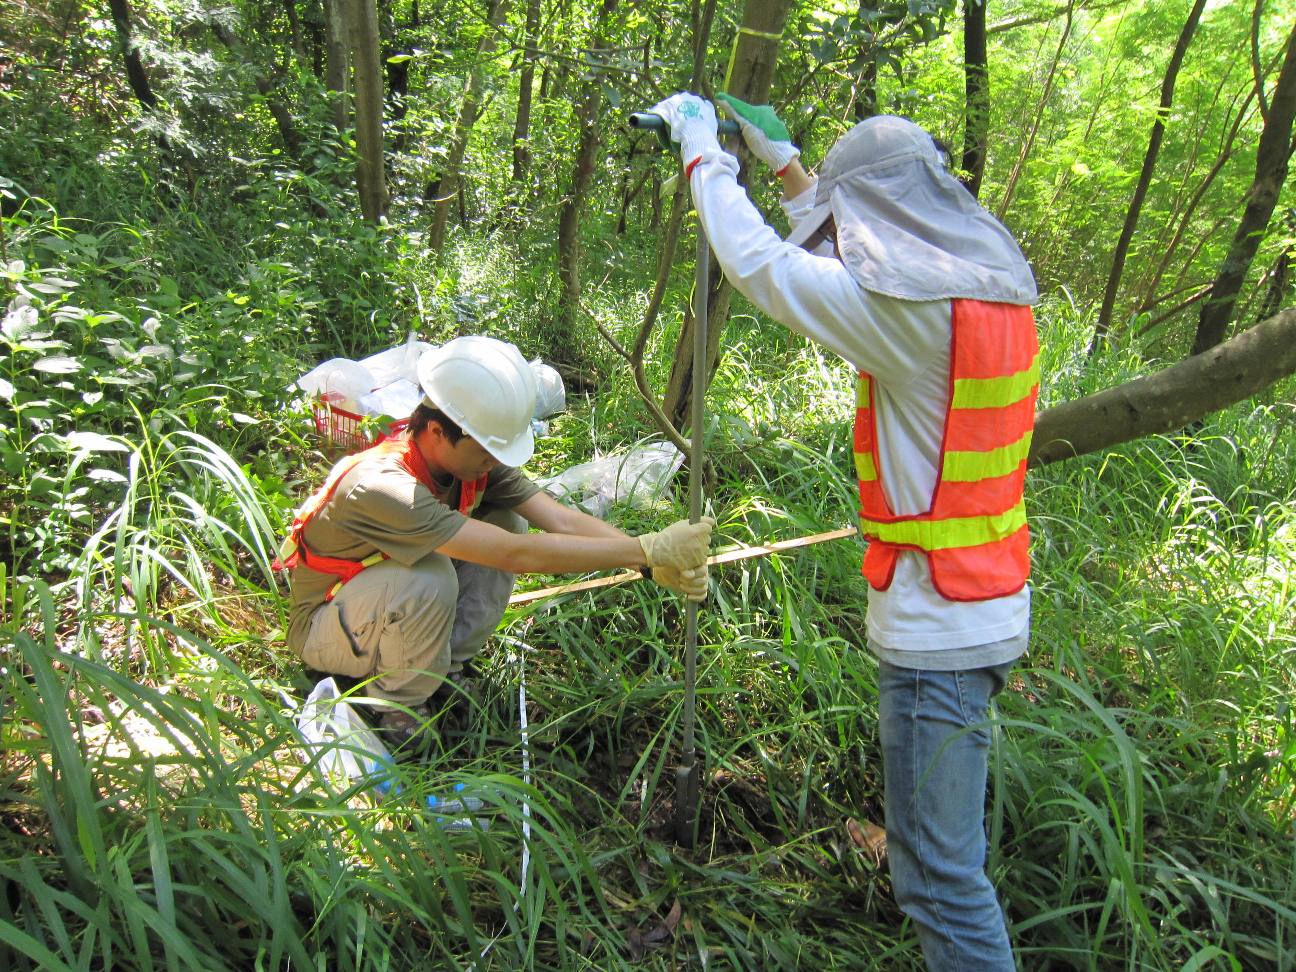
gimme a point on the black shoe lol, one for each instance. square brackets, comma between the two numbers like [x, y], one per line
[406, 734]
[458, 691]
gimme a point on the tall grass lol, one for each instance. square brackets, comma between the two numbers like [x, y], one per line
[159, 811]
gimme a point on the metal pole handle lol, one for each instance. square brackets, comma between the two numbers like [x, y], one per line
[648, 122]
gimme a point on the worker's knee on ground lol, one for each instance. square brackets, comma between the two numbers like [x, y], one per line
[483, 596]
[391, 622]
[330, 646]
[420, 616]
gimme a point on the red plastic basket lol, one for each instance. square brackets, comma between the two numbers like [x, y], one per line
[347, 430]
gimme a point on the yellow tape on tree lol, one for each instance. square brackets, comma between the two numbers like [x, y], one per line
[733, 52]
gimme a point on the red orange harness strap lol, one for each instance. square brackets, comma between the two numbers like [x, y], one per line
[294, 550]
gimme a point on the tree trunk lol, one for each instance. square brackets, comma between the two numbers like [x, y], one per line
[447, 189]
[1170, 399]
[526, 82]
[1280, 275]
[1183, 219]
[295, 35]
[630, 190]
[864, 91]
[265, 86]
[338, 71]
[569, 248]
[135, 74]
[398, 96]
[751, 73]
[1145, 175]
[976, 101]
[173, 162]
[1272, 156]
[371, 179]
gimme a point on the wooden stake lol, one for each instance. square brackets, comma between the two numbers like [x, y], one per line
[728, 557]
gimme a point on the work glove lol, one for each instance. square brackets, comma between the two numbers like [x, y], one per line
[692, 123]
[763, 131]
[691, 581]
[682, 545]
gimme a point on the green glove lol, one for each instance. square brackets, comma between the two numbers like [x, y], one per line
[763, 131]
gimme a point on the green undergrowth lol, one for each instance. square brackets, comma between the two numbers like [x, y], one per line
[159, 811]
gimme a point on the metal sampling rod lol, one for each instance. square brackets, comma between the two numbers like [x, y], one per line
[686, 774]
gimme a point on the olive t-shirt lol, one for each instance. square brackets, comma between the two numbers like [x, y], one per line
[379, 507]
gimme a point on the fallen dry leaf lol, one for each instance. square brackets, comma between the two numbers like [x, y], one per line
[636, 943]
[667, 927]
[870, 837]
[639, 942]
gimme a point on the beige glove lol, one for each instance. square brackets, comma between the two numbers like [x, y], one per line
[691, 581]
[682, 544]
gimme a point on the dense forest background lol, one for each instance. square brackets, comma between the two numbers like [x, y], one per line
[201, 201]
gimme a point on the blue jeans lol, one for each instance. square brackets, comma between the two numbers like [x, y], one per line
[934, 767]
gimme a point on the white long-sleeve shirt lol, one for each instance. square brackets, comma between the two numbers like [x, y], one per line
[905, 346]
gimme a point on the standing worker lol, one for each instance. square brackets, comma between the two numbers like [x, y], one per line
[404, 560]
[894, 266]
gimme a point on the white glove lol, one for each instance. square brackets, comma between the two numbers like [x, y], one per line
[764, 132]
[692, 123]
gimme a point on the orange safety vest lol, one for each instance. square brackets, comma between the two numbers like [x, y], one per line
[974, 531]
[294, 550]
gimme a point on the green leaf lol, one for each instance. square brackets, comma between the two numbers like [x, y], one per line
[105, 476]
[58, 364]
[93, 442]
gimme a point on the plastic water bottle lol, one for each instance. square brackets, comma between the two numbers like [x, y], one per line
[462, 802]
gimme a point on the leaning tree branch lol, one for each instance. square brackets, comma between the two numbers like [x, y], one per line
[635, 360]
[1172, 398]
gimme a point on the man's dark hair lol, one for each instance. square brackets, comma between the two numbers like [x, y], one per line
[425, 414]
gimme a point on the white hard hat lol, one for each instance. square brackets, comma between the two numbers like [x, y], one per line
[487, 388]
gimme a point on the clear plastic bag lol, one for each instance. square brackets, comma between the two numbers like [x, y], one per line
[349, 752]
[348, 749]
[397, 364]
[551, 395]
[339, 381]
[398, 399]
[638, 476]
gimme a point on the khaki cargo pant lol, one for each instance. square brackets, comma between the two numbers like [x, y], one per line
[406, 628]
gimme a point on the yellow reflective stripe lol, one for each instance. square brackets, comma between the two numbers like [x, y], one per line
[372, 559]
[965, 531]
[972, 467]
[862, 392]
[865, 469]
[287, 548]
[995, 392]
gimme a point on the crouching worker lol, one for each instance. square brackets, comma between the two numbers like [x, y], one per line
[404, 560]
